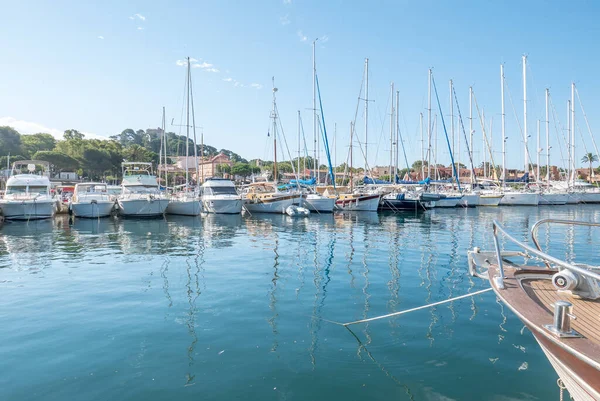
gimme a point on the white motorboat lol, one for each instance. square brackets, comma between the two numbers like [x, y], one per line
[297, 211]
[220, 196]
[265, 198]
[91, 200]
[27, 196]
[520, 199]
[141, 196]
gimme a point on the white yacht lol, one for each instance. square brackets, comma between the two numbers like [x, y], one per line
[220, 196]
[141, 196]
[27, 195]
[92, 200]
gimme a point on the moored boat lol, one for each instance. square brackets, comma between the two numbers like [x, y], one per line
[266, 198]
[520, 199]
[27, 195]
[559, 303]
[91, 200]
[220, 196]
[358, 202]
[141, 196]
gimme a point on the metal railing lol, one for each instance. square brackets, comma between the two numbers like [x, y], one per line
[536, 226]
[532, 251]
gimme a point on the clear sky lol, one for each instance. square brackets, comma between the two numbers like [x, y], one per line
[105, 66]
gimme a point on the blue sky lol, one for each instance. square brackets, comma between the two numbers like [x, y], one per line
[104, 67]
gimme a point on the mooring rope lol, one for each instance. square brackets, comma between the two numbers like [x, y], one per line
[417, 308]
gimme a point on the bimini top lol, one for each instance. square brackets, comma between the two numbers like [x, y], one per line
[23, 180]
[218, 182]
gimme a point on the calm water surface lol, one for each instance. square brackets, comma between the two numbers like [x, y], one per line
[238, 308]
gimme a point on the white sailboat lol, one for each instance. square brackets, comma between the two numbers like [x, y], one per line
[91, 200]
[140, 196]
[359, 201]
[27, 195]
[266, 197]
[186, 201]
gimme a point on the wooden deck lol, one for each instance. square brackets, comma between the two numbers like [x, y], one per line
[587, 311]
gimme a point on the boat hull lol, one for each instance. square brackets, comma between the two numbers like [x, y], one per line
[27, 209]
[590, 197]
[142, 207]
[490, 200]
[321, 204]
[574, 198]
[223, 206]
[554, 199]
[92, 209]
[363, 203]
[450, 201]
[469, 200]
[520, 199]
[188, 207]
[273, 205]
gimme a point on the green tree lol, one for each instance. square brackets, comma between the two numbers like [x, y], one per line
[72, 134]
[60, 161]
[30, 144]
[223, 168]
[137, 153]
[96, 162]
[241, 169]
[10, 141]
[589, 158]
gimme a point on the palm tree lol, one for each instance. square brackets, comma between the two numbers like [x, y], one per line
[589, 158]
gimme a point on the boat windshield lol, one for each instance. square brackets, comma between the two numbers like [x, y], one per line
[140, 189]
[16, 190]
[220, 191]
[38, 189]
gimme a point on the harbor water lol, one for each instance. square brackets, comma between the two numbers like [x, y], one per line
[245, 307]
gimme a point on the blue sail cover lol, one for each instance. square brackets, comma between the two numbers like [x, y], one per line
[426, 181]
[312, 181]
[524, 179]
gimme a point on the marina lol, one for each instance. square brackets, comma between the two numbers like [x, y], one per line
[186, 305]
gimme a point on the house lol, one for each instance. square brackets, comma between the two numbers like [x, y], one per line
[67, 175]
[209, 166]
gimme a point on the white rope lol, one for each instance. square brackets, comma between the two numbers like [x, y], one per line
[418, 308]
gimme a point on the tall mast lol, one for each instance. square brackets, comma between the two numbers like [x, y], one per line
[391, 132]
[525, 113]
[397, 133]
[452, 124]
[351, 134]
[547, 140]
[539, 150]
[366, 113]
[164, 147]
[483, 152]
[422, 147]
[194, 129]
[573, 171]
[202, 154]
[503, 127]
[299, 134]
[429, 126]
[471, 129]
[570, 144]
[334, 149]
[187, 127]
[314, 113]
[274, 117]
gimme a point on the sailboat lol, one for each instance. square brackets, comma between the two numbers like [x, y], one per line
[520, 198]
[267, 197]
[27, 195]
[187, 200]
[313, 200]
[360, 200]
